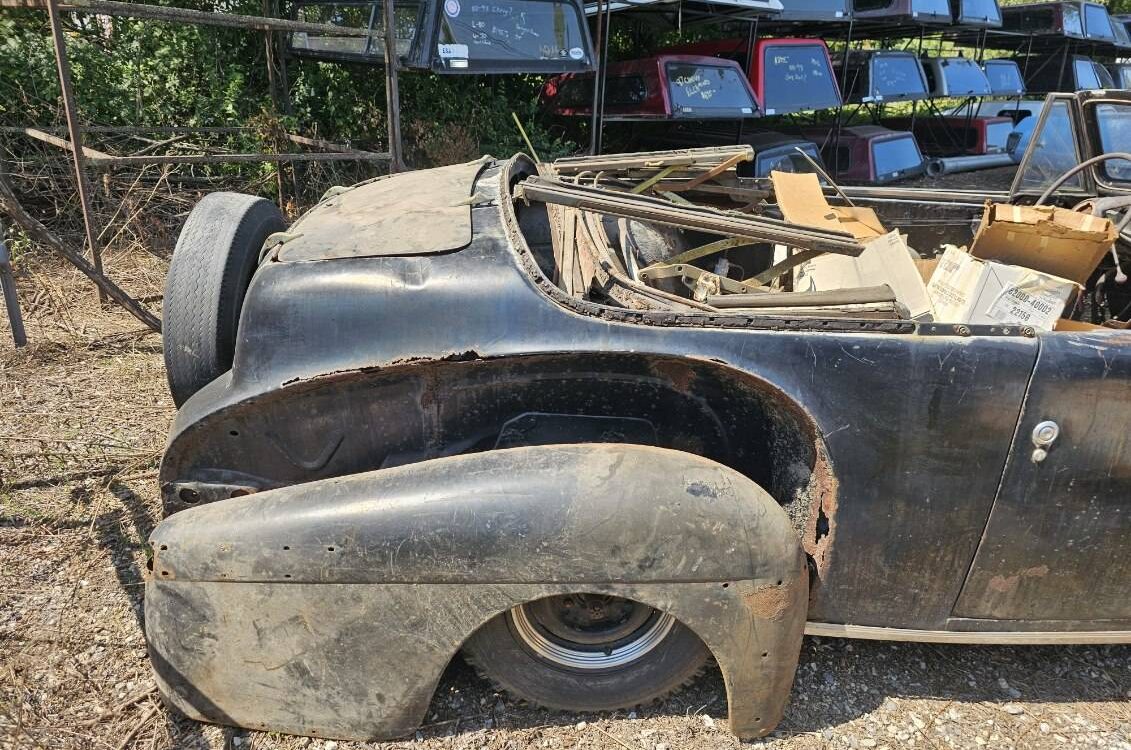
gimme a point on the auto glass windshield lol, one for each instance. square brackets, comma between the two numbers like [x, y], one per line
[1124, 76]
[1052, 151]
[1097, 23]
[1004, 77]
[359, 15]
[1086, 77]
[694, 88]
[1114, 123]
[897, 77]
[964, 77]
[476, 34]
[797, 77]
[895, 155]
[982, 10]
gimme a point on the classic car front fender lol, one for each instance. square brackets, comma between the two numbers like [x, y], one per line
[332, 608]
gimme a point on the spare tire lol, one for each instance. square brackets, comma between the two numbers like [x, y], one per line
[215, 256]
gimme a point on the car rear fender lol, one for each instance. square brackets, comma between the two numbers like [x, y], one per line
[332, 608]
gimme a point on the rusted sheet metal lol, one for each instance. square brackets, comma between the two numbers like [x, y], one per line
[1056, 545]
[885, 450]
[418, 557]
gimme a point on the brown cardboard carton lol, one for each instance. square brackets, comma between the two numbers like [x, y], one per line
[802, 201]
[965, 289]
[1056, 241]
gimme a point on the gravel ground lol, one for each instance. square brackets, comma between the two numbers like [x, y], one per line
[84, 414]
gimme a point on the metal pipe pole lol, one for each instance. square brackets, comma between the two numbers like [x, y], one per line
[392, 89]
[604, 75]
[8, 286]
[840, 107]
[74, 131]
[598, 120]
[751, 32]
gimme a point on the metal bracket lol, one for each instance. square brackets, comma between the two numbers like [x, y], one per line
[696, 278]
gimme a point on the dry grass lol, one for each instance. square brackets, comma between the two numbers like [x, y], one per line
[83, 417]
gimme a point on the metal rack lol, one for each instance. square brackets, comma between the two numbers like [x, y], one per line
[83, 157]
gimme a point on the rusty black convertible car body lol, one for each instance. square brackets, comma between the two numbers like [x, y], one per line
[448, 413]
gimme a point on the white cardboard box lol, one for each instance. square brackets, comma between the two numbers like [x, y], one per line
[965, 289]
[885, 260]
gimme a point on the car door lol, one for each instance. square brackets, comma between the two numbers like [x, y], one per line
[1057, 546]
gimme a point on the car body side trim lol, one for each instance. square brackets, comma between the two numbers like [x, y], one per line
[1000, 638]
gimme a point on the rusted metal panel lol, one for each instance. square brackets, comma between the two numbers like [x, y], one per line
[1056, 545]
[886, 449]
[416, 558]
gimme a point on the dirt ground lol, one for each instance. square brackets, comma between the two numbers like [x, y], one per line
[83, 417]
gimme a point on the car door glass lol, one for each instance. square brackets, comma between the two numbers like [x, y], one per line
[1114, 124]
[1052, 152]
[1086, 78]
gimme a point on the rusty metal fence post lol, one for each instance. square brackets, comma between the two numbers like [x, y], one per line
[392, 88]
[8, 286]
[74, 131]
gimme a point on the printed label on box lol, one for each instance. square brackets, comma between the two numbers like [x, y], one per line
[1031, 301]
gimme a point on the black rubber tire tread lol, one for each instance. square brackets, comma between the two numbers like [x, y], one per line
[215, 256]
[498, 655]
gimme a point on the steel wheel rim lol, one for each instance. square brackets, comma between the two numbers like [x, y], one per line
[641, 642]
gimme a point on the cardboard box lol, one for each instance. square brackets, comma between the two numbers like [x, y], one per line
[927, 268]
[886, 260]
[802, 201]
[965, 289]
[1056, 241]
